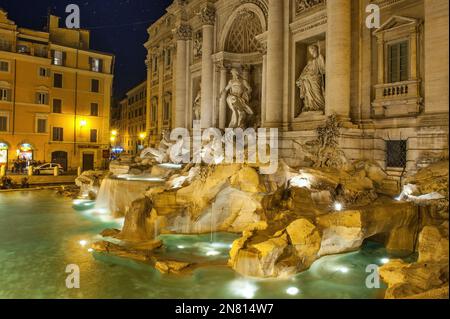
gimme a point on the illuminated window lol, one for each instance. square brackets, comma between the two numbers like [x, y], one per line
[42, 98]
[5, 94]
[96, 64]
[58, 57]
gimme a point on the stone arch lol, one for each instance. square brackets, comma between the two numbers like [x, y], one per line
[238, 33]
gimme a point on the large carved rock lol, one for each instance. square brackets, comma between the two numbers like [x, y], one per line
[426, 278]
[137, 227]
[89, 182]
[346, 231]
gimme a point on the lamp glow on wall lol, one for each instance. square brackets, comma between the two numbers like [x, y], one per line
[142, 136]
[83, 123]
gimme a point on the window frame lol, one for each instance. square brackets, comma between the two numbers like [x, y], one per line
[388, 61]
[92, 85]
[55, 75]
[58, 130]
[8, 63]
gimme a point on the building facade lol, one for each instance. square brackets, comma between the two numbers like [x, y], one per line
[55, 96]
[306, 60]
[131, 126]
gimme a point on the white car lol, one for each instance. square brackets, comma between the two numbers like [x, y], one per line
[47, 169]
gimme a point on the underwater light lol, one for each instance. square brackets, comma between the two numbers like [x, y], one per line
[243, 288]
[343, 270]
[338, 206]
[83, 243]
[384, 260]
[213, 253]
[90, 250]
[180, 247]
[292, 291]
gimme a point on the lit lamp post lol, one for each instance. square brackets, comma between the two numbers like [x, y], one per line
[142, 137]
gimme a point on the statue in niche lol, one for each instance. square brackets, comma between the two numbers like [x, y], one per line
[312, 82]
[196, 108]
[238, 99]
[198, 44]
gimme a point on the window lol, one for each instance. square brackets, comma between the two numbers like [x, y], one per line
[44, 72]
[93, 137]
[396, 152]
[4, 94]
[3, 123]
[398, 62]
[57, 106]
[96, 64]
[94, 109]
[58, 57]
[58, 80]
[42, 126]
[155, 64]
[4, 66]
[166, 116]
[95, 85]
[58, 134]
[42, 98]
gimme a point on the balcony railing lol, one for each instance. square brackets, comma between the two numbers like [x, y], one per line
[397, 99]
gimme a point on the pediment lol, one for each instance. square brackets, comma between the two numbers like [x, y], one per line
[395, 22]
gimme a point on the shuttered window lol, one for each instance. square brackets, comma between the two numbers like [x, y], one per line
[3, 123]
[58, 134]
[398, 61]
[93, 136]
[42, 126]
[57, 106]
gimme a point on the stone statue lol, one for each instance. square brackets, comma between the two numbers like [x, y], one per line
[312, 82]
[238, 98]
[162, 153]
[197, 104]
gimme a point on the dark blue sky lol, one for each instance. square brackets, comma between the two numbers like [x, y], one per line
[117, 26]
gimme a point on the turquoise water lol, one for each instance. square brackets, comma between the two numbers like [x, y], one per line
[40, 235]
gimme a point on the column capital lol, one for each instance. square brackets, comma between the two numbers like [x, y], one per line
[183, 32]
[208, 15]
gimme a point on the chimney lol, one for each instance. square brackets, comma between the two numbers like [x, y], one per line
[53, 22]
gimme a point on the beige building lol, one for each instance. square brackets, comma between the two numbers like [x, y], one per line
[388, 86]
[55, 96]
[131, 127]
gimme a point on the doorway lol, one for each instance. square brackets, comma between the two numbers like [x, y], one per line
[88, 162]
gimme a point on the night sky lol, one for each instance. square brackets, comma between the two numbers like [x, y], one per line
[117, 26]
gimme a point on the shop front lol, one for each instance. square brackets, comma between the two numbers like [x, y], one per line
[25, 152]
[4, 154]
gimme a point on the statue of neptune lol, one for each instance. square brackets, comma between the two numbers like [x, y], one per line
[239, 92]
[312, 83]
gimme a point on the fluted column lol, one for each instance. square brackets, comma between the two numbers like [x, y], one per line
[208, 15]
[223, 101]
[183, 34]
[338, 58]
[275, 45]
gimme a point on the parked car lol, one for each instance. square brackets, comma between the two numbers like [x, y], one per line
[47, 169]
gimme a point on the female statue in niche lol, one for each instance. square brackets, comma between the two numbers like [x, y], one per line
[312, 82]
[197, 104]
[238, 99]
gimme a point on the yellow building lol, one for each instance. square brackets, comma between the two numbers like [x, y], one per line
[55, 96]
[131, 126]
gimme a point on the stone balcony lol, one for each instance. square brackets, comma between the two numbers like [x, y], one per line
[397, 99]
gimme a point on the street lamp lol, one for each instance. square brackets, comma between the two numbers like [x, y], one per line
[83, 123]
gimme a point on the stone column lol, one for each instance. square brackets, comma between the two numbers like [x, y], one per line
[208, 15]
[338, 58]
[183, 34]
[436, 56]
[223, 99]
[275, 46]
